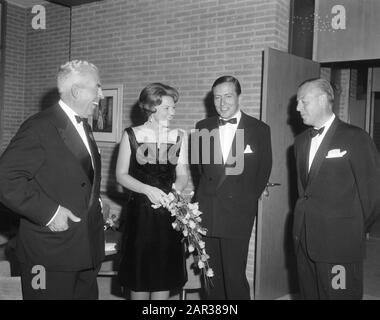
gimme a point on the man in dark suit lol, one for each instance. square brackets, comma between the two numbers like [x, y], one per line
[235, 162]
[338, 170]
[50, 176]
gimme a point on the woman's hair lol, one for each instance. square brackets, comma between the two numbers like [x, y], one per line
[152, 94]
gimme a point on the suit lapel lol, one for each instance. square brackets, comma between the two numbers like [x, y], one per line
[97, 169]
[95, 153]
[241, 126]
[70, 137]
[322, 151]
[304, 159]
[216, 157]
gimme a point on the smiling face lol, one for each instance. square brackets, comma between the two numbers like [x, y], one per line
[88, 93]
[226, 100]
[165, 111]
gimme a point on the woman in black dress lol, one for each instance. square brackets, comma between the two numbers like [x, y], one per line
[151, 159]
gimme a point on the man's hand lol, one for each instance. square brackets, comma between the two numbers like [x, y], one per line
[60, 221]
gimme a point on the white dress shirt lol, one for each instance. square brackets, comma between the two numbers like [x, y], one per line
[79, 127]
[317, 140]
[227, 134]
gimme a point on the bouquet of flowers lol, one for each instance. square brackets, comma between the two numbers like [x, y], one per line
[112, 222]
[187, 221]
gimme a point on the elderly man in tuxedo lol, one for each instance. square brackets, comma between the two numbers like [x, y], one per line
[235, 162]
[338, 170]
[50, 176]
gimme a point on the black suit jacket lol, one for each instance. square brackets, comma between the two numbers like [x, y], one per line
[229, 202]
[340, 197]
[41, 169]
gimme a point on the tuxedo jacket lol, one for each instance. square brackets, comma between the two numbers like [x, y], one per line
[340, 196]
[229, 201]
[43, 167]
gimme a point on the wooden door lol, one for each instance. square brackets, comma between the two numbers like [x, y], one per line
[275, 273]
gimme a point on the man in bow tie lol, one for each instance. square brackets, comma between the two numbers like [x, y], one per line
[228, 190]
[338, 170]
[50, 176]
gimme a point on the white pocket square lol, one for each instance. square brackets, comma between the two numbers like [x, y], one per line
[335, 153]
[248, 149]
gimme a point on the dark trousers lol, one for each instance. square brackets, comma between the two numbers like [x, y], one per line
[228, 259]
[59, 285]
[328, 281]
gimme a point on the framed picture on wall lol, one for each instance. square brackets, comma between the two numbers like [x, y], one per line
[107, 118]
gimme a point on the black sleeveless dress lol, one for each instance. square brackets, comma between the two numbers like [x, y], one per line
[153, 256]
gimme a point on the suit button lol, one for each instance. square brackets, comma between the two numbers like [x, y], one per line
[209, 179]
[83, 184]
[306, 197]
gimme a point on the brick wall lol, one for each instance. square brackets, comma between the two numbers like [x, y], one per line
[345, 81]
[46, 50]
[14, 73]
[341, 79]
[325, 73]
[186, 44]
[32, 58]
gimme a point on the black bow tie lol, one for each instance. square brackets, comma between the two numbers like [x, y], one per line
[314, 132]
[222, 122]
[79, 119]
